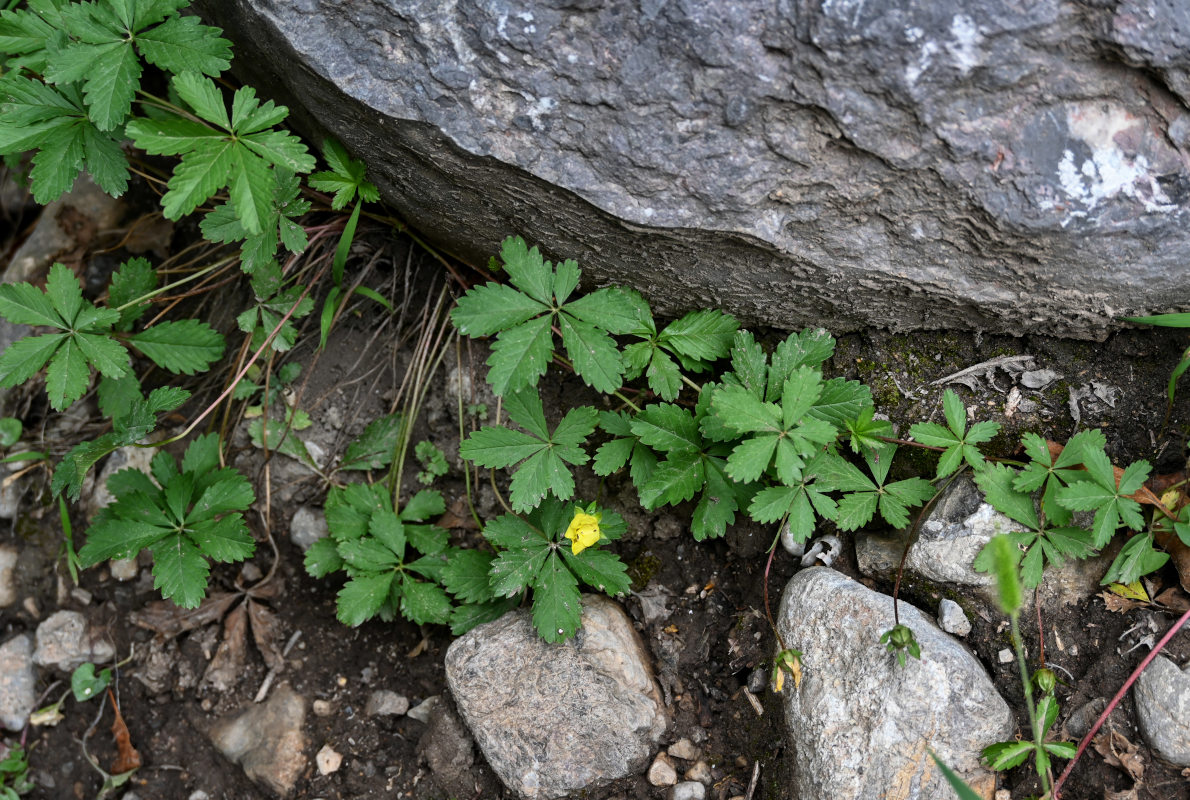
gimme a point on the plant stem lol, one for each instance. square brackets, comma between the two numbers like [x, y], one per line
[1027, 685]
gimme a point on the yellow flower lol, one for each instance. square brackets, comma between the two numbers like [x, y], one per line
[583, 530]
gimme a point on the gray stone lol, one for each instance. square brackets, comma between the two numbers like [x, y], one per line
[952, 618]
[8, 578]
[123, 569]
[267, 740]
[861, 723]
[64, 641]
[1001, 165]
[686, 749]
[386, 703]
[1162, 697]
[425, 710]
[307, 527]
[688, 790]
[18, 681]
[543, 742]
[701, 772]
[661, 771]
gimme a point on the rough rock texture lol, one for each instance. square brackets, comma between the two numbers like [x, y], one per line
[861, 726]
[267, 740]
[64, 640]
[909, 163]
[8, 584]
[18, 682]
[554, 719]
[1162, 697]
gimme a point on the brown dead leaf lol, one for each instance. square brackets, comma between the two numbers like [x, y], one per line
[169, 620]
[127, 758]
[1173, 599]
[1119, 605]
[458, 516]
[1119, 752]
[228, 663]
[264, 626]
[1127, 794]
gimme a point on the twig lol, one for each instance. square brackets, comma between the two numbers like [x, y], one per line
[755, 780]
[1115, 701]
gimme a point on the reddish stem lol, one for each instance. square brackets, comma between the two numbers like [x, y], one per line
[1115, 701]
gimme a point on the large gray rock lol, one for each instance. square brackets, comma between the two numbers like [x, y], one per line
[983, 164]
[18, 682]
[1162, 697]
[861, 725]
[268, 740]
[553, 719]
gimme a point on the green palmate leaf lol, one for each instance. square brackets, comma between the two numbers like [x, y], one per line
[1138, 557]
[55, 123]
[740, 409]
[376, 446]
[557, 605]
[466, 576]
[721, 499]
[841, 404]
[360, 599]
[704, 335]
[184, 346]
[346, 178]
[520, 356]
[468, 615]
[323, 558]
[135, 280]
[232, 153]
[674, 480]
[424, 602]
[600, 569]
[515, 569]
[1006, 755]
[959, 442]
[1102, 495]
[494, 307]
[667, 428]
[179, 570]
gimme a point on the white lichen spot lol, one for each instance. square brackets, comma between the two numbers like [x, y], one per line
[1109, 172]
[964, 49]
[913, 34]
[924, 59]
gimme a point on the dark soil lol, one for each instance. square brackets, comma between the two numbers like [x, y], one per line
[713, 638]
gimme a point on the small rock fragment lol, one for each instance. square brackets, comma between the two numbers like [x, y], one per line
[425, 710]
[662, 772]
[688, 790]
[386, 703]
[123, 569]
[63, 641]
[1038, 378]
[328, 760]
[17, 682]
[952, 618]
[8, 582]
[1005, 656]
[685, 749]
[1083, 717]
[1162, 697]
[758, 681]
[307, 527]
[322, 708]
[267, 740]
[701, 772]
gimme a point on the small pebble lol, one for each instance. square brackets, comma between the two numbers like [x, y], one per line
[322, 708]
[758, 681]
[123, 569]
[197, 794]
[701, 772]
[952, 618]
[1003, 794]
[1005, 656]
[688, 790]
[423, 711]
[662, 772]
[685, 749]
[328, 760]
[386, 703]
[81, 595]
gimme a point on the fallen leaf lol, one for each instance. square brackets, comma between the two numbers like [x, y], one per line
[169, 620]
[1127, 794]
[1119, 605]
[1119, 752]
[1130, 591]
[1173, 599]
[228, 662]
[127, 757]
[458, 516]
[264, 626]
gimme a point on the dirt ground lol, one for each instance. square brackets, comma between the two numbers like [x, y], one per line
[705, 649]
